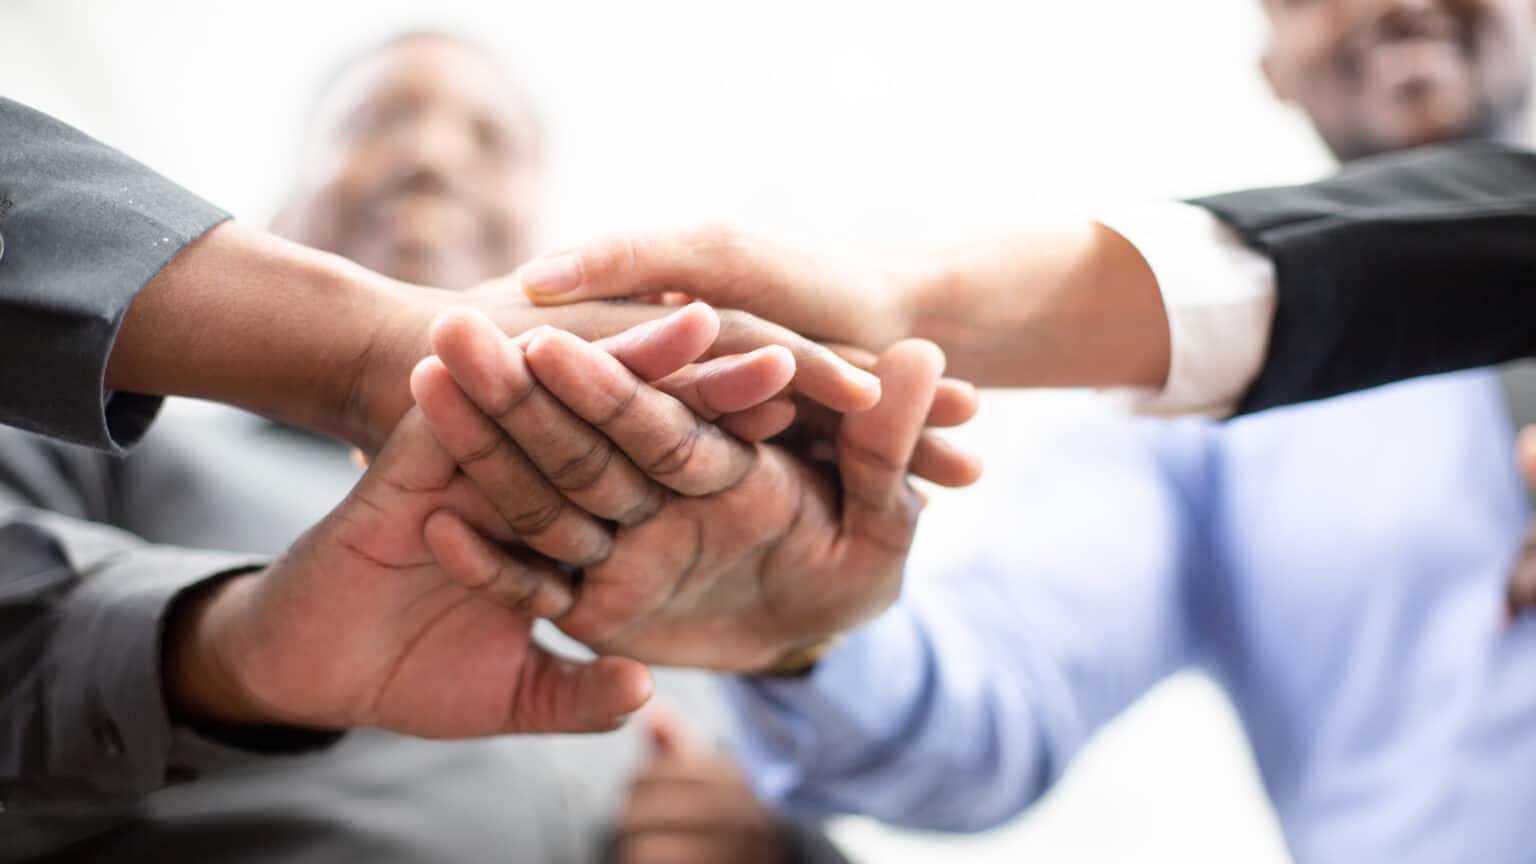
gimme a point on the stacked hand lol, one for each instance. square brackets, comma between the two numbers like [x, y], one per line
[410, 606]
[779, 557]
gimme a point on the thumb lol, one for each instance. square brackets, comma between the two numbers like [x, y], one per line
[875, 447]
[559, 695]
[632, 265]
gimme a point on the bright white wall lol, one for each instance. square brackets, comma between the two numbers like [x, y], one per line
[867, 126]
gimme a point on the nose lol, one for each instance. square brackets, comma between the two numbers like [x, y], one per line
[438, 141]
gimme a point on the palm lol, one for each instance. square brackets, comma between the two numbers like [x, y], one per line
[361, 626]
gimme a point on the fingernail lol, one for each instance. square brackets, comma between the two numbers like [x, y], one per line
[556, 274]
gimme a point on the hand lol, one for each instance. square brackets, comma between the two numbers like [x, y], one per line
[1076, 306]
[734, 579]
[380, 394]
[1520, 595]
[245, 318]
[357, 625]
[827, 300]
[691, 805]
[857, 310]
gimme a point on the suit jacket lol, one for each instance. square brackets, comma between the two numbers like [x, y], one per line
[94, 552]
[84, 228]
[1401, 265]
[210, 476]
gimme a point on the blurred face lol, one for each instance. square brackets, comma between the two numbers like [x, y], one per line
[423, 164]
[1378, 75]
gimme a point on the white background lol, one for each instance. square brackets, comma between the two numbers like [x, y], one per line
[859, 126]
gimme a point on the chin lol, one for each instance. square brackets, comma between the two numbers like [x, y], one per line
[1442, 119]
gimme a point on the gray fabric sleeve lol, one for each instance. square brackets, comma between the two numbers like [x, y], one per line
[84, 228]
[82, 609]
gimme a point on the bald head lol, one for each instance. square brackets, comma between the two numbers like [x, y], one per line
[422, 161]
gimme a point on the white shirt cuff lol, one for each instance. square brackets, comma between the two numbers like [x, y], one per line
[1220, 299]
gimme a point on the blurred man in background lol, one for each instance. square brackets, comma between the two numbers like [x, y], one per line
[1339, 569]
[422, 160]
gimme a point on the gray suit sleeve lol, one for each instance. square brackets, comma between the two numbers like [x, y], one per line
[82, 606]
[84, 228]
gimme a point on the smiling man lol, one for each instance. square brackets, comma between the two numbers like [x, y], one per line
[1376, 78]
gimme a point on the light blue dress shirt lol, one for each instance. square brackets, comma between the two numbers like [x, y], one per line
[1337, 568]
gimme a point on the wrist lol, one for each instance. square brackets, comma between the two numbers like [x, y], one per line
[200, 676]
[251, 320]
[1071, 307]
[800, 661]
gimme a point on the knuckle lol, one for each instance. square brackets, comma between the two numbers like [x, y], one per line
[871, 458]
[676, 458]
[583, 471]
[521, 593]
[654, 499]
[477, 454]
[623, 398]
[538, 519]
[593, 552]
[515, 399]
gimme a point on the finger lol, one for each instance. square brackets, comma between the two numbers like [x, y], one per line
[706, 264]
[558, 695]
[766, 421]
[1521, 592]
[535, 588]
[697, 263]
[573, 458]
[954, 404]
[820, 374]
[412, 458]
[941, 462]
[665, 439]
[658, 348]
[875, 447]
[529, 504]
[730, 385]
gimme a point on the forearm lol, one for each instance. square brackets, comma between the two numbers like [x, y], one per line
[915, 745]
[245, 318]
[1072, 307]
